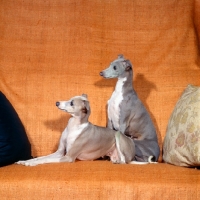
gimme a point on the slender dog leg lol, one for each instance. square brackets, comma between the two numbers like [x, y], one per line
[52, 158]
[66, 158]
[109, 124]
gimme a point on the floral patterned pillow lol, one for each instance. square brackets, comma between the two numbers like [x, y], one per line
[182, 141]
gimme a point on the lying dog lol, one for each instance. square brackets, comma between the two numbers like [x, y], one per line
[85, 141]
[127, 114]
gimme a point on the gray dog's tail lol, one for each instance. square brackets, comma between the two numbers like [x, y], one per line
[150, 161]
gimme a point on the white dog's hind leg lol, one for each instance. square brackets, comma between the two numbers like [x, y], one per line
[121, 156]
[66, 158]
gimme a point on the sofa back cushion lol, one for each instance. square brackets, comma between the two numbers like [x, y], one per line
[54, 51]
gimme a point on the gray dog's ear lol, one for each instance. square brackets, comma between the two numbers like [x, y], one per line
[127, 64]
[120, 56]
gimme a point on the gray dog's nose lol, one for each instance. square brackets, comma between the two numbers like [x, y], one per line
[101, 73]
[57, 103]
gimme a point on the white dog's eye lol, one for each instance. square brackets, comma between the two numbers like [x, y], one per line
[71, 103]
[114, 67]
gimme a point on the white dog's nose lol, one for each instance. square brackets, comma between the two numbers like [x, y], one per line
[57, 103]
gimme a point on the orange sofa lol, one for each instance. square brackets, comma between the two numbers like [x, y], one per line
[53, 50]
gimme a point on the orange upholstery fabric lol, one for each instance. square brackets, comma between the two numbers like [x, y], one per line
[53, 50]
[99, 180]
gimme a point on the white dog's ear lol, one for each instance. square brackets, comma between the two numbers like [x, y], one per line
[86, 103]
[87, 106]
[127, 64]
[84, 97]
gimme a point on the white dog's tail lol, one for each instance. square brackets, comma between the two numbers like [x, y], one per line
[144, 163]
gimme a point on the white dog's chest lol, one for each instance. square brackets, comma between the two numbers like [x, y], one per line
[114, 102]
[73, 133]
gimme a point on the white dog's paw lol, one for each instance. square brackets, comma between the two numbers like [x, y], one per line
[27, 162]
[31, 163]
[20, 162]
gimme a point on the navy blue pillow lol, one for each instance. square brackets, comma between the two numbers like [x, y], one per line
[14, 143]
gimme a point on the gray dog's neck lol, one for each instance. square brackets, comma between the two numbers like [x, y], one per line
[127, 76]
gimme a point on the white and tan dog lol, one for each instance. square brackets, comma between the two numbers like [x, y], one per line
[84, 141]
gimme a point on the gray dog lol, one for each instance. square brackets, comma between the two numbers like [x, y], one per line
[127, 114]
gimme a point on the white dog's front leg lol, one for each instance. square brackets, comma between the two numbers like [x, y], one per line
[52, 158]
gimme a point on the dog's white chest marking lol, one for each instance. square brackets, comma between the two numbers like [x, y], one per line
[114, 102]
[73, 133]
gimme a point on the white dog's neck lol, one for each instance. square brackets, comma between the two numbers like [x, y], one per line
[74, 129]
[80, 118]
[75, 120]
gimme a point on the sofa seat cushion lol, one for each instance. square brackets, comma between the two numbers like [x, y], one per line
[99, 180]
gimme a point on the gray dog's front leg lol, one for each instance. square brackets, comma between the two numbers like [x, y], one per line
[109, 124]
[122, 128]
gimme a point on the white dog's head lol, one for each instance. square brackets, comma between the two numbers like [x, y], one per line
[75, 106]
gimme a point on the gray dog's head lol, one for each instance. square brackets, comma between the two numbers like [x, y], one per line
[117, 68]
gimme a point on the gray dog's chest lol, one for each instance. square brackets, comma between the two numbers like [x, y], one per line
[114, 103]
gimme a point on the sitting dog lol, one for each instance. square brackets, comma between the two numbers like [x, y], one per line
[85, 141]
[127, 114]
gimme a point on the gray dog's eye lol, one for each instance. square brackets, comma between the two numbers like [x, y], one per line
[114, 67]
[71, 103]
